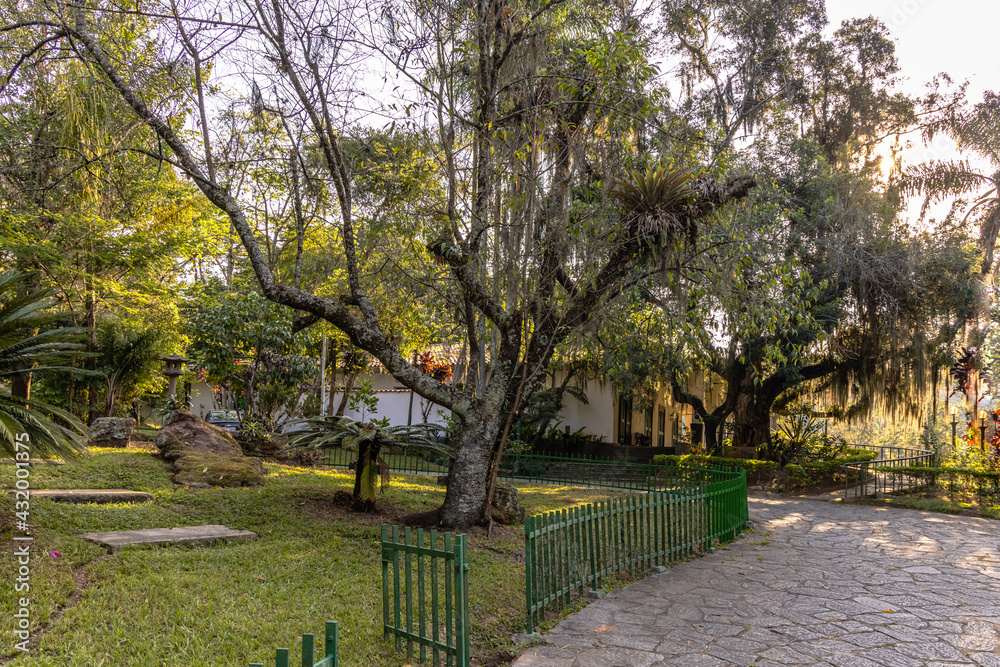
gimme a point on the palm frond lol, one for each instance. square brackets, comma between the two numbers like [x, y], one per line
[33, 337]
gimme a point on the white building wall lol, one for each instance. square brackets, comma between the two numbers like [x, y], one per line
[202, 398]
[597, 416]
[395, 404]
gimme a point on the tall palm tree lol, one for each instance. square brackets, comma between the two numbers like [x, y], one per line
[35, 338]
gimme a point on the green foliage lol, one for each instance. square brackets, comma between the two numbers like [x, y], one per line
[128, 360]
[796, 474]
[756, 469]
[245, 342]
[363, 399]
[35, 338]
[368, 439]
[801, 437]
[765, 472]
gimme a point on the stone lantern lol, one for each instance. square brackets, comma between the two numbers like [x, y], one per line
[173, 368]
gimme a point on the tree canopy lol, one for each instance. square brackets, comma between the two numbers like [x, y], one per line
[630, 191]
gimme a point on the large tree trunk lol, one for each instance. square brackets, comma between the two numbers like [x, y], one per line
[713, 424]
[465, 500]
[753, 425]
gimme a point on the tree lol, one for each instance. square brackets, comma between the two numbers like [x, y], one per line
[535, 108]
[34, 337]
[817, 287]
[126, 359]
[977, 134]
[106, 227]
[246, 345]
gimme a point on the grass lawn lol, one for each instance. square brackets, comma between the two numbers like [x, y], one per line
[231, 604]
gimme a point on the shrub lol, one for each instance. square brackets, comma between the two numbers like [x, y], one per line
[764, 472]
[955, 480]
[797, 475]
[758, 472]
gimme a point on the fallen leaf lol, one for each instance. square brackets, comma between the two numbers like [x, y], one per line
[890, 611]
[603, 628]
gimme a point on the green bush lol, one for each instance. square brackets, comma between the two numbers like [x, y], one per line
[763, 472]
[525, 466]
[758, 472]
[797, 474]
[836, 465]
[955, 480]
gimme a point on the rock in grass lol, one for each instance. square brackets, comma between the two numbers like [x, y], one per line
[200, 470]
[186, 433]
[111, 432]
[204, 455]
[506, 507]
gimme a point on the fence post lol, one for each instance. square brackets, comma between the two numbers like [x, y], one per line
[385, 584]
[529, 572]
[308, 650]
[461, 601]
[331, 647]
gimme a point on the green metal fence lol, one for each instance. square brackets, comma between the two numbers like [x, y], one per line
[571, 549]
[535, 468]
[281, 656]
[397, 461]
[586, 471]
[425, 594]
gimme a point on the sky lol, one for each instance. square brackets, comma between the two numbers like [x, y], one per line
[932, 36]
[954, 36]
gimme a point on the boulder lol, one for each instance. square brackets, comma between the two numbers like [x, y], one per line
[111, 432]
[204, 455]
[205, 470]
[186, 433]
[506, 507]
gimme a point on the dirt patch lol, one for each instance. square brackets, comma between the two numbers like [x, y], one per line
[340, 506]
[430, 519]
[495, 659]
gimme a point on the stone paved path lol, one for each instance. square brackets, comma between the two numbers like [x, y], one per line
[830, 585]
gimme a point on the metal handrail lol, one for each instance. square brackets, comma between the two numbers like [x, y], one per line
[922, 458]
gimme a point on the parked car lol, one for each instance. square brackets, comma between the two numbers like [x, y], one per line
[224, 419]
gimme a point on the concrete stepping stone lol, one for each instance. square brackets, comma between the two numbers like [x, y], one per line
[201, 535]
[94, 495]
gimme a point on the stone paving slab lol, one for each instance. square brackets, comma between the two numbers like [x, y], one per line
[102, 496]
[203, 535]
[816, 584]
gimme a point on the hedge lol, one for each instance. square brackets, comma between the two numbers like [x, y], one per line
[953, 479]
[762, 472]
[752, 466]
[836, 465]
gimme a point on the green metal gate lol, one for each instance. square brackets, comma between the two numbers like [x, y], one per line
[425, 598]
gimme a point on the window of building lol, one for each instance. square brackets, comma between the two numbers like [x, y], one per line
[624, 419]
